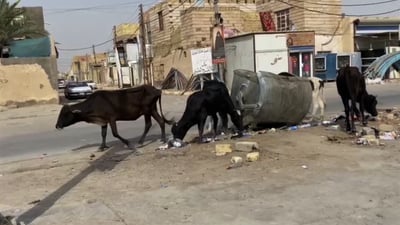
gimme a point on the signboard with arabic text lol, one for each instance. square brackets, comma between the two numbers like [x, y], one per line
[202, 61]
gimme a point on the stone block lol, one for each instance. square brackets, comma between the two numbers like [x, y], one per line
[222, 149]
[246, 146]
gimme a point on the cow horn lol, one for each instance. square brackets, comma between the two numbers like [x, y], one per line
[76, 111]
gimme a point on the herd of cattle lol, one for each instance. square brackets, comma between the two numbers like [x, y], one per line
[107, 107]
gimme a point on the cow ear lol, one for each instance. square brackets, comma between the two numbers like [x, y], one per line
[76, 111]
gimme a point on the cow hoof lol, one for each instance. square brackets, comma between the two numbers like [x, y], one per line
[137, 152]
[103, 148]
[237, 136]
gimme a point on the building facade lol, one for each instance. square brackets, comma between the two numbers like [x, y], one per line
[175, 27]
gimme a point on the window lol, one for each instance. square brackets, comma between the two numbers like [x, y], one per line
[283, 20]
[160, 21]
[342, 61]
[320, 64]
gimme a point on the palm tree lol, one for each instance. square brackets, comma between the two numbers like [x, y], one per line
[15, 24]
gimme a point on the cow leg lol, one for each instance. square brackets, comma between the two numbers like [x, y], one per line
[160, 122]
[346, 111]
[321, 104]
[363, 121]
[114, 130]
[353, 106]
[103, 145]
[147, 125]
[215, 120]
[237, 121]
[200, 124]
[224, 119]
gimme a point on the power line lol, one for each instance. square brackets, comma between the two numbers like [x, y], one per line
[85, 48]
[347, 5]
[105, 42]
[336, 14]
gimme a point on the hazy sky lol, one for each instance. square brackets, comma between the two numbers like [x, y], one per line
[77, 24]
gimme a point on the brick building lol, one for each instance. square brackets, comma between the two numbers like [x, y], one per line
[174, 27]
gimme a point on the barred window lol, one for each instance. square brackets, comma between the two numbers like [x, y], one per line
[283, 20]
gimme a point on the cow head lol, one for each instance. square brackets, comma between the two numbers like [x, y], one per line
[67, 117]
[370, 103]
[178, 131]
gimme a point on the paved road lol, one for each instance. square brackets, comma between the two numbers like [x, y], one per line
[29, 132]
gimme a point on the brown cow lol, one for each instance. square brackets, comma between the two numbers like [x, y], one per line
[107, 107]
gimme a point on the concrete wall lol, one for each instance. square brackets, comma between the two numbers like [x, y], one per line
[49, 65]
[22, 85]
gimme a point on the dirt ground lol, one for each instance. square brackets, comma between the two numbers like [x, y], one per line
[315, 175]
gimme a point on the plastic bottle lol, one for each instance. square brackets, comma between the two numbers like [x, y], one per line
[293, 128]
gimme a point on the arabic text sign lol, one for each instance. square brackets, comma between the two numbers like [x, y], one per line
[202, 61]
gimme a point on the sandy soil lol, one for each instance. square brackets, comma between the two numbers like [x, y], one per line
[315, 175]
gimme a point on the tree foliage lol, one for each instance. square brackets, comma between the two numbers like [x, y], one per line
[15, 24]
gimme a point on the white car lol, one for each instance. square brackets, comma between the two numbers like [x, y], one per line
[77, 90]
[91, 84]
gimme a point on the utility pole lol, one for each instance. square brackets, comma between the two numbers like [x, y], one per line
[142, 38]
[95, 65]
[115, 57]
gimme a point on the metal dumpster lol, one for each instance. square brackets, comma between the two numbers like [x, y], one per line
[267, 98]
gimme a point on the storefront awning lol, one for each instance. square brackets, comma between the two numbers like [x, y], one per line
[377, 29]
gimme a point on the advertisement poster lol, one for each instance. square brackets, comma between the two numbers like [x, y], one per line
[202, 61]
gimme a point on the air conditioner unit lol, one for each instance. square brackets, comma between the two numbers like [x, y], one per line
[392, 49]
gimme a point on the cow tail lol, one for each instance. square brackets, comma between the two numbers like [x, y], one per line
[170, 122]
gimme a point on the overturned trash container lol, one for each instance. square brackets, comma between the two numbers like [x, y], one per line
[270, 99]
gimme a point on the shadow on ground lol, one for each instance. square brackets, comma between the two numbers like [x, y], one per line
[106, 162]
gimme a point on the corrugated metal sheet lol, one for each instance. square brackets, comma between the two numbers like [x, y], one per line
[380, 66]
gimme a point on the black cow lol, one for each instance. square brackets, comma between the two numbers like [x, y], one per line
[107, 107]
[213, 99]
[351, 86]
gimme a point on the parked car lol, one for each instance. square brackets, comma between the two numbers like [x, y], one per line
[91, 84]
[77, 90]
[61, 83]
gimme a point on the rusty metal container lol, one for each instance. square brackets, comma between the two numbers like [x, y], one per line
[268, 98]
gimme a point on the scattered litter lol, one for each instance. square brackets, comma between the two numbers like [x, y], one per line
[388, 136]
[368, 140]
[163, 147]
[222, 149]
[208, 140]
[304, 125]
[333, 127]
[304, 166]
[34, 202]
[177, 143]
[262, 132]
[293, 128]
[236, 159]
[327, 122]
[273, 130]
[252, 156]
[339, 117]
